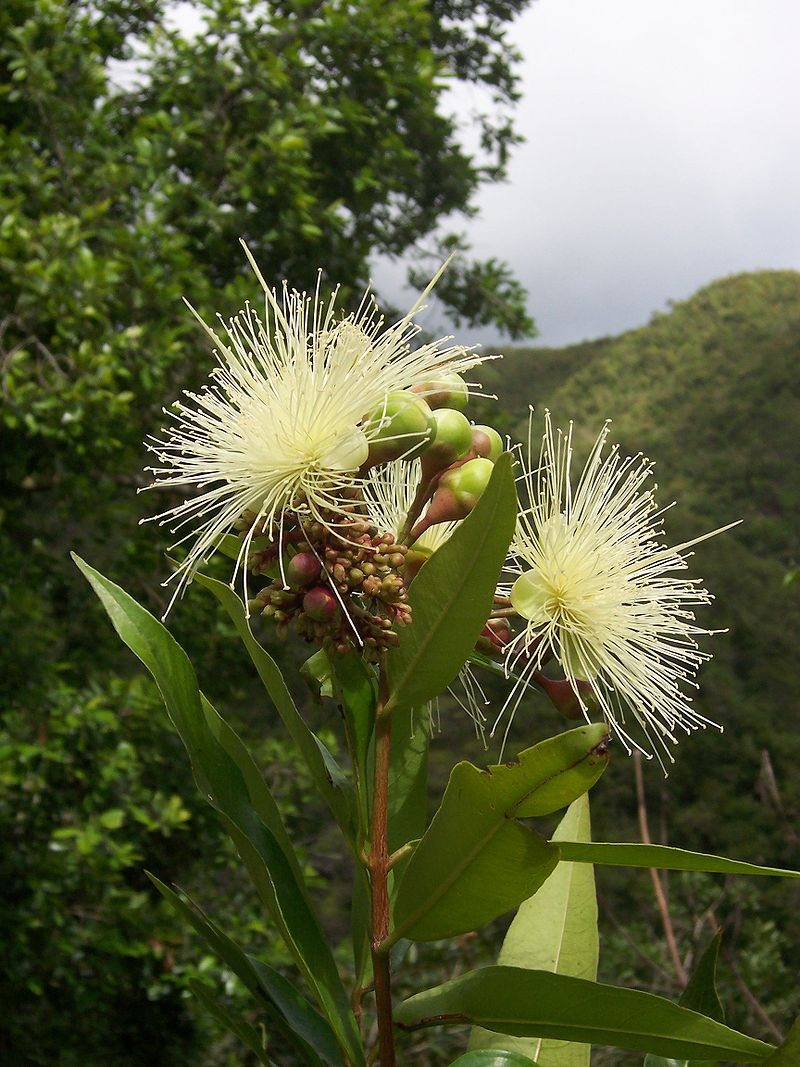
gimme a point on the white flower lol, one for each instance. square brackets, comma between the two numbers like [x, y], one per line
[281, 429]
[597, 589]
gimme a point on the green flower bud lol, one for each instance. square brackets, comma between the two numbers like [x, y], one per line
[414, 559]
[449, 390]
[452, 441]
[487, 443]
[303, 569]
[467, 482]
[320, 604]
[402, 426]
[458, 492]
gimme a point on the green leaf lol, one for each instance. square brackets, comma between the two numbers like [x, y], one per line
[700, 995]
[245, 1031]
[230, 545]
[662, 856]
[515, 1000]
[355, 687]
[224, 774]
[361, 926]
[556, 930]
[494, 1057]
[476, 860]
[328, 777]
[788, 1055]
[452, 595]
[258, 795]
[408, 777]
[291, 1014]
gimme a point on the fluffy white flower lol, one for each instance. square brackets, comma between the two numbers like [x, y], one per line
[597, 588]
[281, 428]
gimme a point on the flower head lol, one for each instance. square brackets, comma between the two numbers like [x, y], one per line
[597, 589]
[284, 426]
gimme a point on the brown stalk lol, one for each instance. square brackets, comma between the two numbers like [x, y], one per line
[379, 863]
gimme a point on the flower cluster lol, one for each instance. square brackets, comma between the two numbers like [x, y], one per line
[343, 457]
[340, 589]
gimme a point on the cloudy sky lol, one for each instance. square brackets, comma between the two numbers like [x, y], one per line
[662, 151]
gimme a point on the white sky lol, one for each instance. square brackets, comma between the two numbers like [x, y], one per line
[662, 151]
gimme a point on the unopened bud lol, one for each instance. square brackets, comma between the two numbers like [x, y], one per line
[449, 390]
[303, 569]
[487, 443]
[496, 633]
[467, 483]
[452, 441]
[414, 559]
[320, 604]
[571, 701]
[401, 426]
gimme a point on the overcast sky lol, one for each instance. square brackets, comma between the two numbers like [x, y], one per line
[662, 151]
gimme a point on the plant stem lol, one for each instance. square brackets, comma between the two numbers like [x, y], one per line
[379, 871]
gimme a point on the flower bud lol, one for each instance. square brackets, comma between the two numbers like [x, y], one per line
[467, 483]
[458, 492]
[449, 390]
[498, 631]
[452, 441]
[487, 443]
[416, 556]
[564, 697]
[303, 569]
[401, 426]
[320, 604]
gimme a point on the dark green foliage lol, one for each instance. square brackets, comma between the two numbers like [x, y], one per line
[89, 789]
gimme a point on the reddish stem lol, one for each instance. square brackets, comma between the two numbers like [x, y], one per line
[379, 871]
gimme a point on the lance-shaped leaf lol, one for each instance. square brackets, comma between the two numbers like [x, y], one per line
[452, 596]
[328, 777]
[514, 1000]
[476, 860]
[556, 930]
[224, 774]
[662, 856]
[700, 995]
[355, 687]
[286, 1009]
[408, 777]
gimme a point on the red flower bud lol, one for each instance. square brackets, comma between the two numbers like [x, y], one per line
[303, 569]
[320, 604]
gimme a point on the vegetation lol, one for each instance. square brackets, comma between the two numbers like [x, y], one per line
[115, 203]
